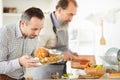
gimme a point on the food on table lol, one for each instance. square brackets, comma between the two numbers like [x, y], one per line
[89, 65]
[70, 76]
[66, 75]
[42, 53]
[45, 57]
[95, 70]
[84, 61]
[114, 74]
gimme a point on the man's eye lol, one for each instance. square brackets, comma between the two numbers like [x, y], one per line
[34, 29]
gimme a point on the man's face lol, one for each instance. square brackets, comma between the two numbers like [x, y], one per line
[66, 15]
[33, 28]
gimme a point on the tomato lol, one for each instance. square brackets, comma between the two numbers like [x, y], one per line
[83, 62]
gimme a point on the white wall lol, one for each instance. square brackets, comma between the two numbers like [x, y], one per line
[21, 5]
[86, 24]
[85, 30]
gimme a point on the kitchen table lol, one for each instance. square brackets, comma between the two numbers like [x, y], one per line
[102, 78]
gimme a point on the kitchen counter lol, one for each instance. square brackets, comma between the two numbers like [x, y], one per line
[102, 78]
[79, 79]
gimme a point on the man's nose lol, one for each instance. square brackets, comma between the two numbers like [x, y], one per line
[71, 17]
[37, 32]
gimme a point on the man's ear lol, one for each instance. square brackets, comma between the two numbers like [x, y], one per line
[22, 23]
[59, 9]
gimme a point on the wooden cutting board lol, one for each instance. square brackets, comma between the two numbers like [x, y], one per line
[81, 61]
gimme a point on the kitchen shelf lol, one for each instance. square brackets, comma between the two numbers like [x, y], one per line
[11, 14]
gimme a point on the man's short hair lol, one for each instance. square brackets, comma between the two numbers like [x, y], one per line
[32, 12]
[64, 3]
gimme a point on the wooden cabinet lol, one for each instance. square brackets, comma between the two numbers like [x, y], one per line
[0, 13]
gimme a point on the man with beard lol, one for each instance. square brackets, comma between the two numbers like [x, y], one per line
[17, 44]
[54, 35]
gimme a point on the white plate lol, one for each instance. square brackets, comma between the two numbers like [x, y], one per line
[53, 61]
[50, 63]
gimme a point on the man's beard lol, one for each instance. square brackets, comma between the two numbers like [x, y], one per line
[31, 37]
[61, 23]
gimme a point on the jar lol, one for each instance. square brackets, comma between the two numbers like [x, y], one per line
[118, 57]
[54, 75]
[112, 55]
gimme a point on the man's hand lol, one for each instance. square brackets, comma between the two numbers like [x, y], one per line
[27, 61]
[68, 56]
[76, 54]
